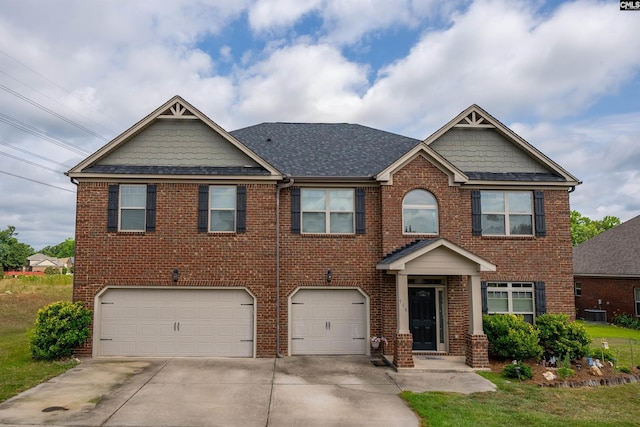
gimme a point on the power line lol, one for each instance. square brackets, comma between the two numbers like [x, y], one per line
[25, 127]
[53, 113]
[38, 182]
[33, 154]
[29, 162]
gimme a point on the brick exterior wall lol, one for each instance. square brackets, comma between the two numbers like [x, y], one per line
[248, 259]
[617, 295]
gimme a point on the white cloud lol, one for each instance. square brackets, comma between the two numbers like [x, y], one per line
[274, 15]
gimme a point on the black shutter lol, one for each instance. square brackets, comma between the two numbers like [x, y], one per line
[485, 299]
[112, 208]
[203, 209]
[476, 213]
[241, 209]
[541, 298]
[360, 211]
[151, 208]
[295, 210]
[538, 206]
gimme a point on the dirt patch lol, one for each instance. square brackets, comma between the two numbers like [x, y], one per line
[581, 377]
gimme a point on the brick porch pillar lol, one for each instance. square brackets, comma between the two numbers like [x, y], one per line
[477, 351]
[403, 351]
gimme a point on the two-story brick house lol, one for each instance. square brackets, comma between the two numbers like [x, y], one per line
[310, 238]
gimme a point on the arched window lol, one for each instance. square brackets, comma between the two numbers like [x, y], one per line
[419, 213]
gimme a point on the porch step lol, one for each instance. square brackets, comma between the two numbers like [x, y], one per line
[435, 363]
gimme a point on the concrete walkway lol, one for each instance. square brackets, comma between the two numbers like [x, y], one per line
[293, 391]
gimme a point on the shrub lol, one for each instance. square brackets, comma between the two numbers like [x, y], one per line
[559, 337]
[604, 354]
[627, 321]
[510, 371]
[565, 370]
[511, 337]
[51, 270]
[624, 369]
[59, 328]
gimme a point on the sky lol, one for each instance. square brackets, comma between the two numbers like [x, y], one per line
[565, 76]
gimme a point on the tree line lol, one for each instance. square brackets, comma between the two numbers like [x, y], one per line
[14, 254]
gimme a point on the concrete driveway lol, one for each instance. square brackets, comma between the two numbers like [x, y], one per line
[293, 391]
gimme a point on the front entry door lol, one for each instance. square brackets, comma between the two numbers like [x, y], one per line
[422, 318]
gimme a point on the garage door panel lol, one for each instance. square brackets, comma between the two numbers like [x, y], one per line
[180, 322]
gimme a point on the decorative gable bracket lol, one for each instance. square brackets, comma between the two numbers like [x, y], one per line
[177, 111]
[474, 120]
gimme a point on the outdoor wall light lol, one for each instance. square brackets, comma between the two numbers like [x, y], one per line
[329, 276]
[175, 274]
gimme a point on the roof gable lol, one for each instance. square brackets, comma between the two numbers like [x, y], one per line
[487, 150]
[612, 253]
[152, 142]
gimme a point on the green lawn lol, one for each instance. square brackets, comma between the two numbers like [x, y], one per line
[529, 405]
[20, 299]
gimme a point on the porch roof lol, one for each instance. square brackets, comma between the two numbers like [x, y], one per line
[398, 259]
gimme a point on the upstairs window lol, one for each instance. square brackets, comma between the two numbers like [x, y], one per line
[131, 208]
[222, 208]
[419, 213]
[327, 211]
[507, 213]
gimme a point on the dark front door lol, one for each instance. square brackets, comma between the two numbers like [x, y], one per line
[422, 318]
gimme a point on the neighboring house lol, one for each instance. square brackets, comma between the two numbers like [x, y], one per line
[40, 262]
[310, 238]
[606, 271]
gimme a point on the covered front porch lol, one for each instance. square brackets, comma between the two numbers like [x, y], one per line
[438, 303]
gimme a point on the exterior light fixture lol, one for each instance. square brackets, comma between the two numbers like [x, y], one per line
[329, 276]
[175, 274]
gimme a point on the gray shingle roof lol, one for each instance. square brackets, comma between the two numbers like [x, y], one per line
[325, 149]
[176, 170]
[514, 176]
[405, 250]
[614, 252]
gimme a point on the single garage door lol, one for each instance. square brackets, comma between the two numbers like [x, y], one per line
[176, 322]
[328, 321]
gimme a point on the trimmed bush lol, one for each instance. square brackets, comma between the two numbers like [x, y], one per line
[626, 321]
[511, 337]
[510, 371]
[59, 328]
[559, 337]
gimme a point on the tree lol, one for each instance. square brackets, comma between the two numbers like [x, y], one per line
[13, 254]
[65, 249]
[583, 228]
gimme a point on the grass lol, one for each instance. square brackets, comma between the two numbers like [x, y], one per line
[20, 299]
[529, 405]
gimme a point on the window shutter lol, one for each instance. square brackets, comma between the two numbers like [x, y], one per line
[538, 206]
[241, 209]
[360, 211]
[476, 213]
[295, 210]
[203, 208]
[112, 208]
[541, 298]
[485, 300]
[151, 208]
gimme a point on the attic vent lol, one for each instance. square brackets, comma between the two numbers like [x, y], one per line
[474, 120]
[177, 111]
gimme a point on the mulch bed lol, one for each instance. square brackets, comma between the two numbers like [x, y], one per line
[581, 378]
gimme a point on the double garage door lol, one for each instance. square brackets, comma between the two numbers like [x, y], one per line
[328, 321]
[176, 322]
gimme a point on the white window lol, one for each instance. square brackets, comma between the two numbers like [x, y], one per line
[507, 213]
[578, 289]
[508, 297]
[327, 211]
[419, 213]
[133, 204]
[636, 291]
[222, 208]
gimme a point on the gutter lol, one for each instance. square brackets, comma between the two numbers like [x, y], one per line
[279, 187]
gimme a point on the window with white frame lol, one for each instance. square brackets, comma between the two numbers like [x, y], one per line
[636, 291]
[222, 208]
[133, 205]
[507, 213]
[577, 286]
[327, 211]
[511, 297]
[419, 213]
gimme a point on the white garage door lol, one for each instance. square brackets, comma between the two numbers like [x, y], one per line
[328, 321]
[176, 322]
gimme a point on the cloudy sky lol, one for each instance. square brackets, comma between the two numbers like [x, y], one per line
[75, 74]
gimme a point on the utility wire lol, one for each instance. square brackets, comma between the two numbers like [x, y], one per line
[39, 133]
[38, 182]
[53, 113]
[29, 162]
[13, 147]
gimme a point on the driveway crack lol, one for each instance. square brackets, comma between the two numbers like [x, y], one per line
[273, 380]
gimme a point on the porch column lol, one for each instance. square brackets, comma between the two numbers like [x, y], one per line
[475, 306]
[402, 296]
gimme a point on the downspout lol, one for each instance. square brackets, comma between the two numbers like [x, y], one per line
[279, 187]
